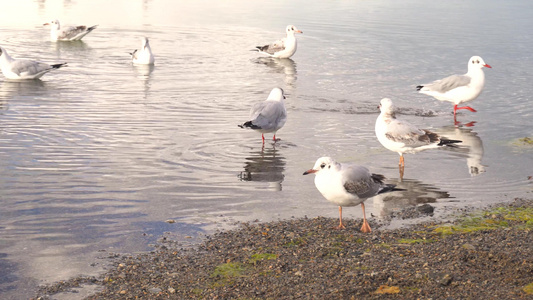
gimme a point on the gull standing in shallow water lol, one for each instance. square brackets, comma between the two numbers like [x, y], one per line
[348, 185]
[402, 137]
[70, 33]
[269, 115]
[284, 48]
[23, 68]
[143, 56]
[459, 88]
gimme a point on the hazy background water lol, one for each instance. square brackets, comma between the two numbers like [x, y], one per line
[96, 156]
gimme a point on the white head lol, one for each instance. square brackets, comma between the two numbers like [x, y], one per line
[477, 62]
[291, 29]
[145, 43]
[323, 164]
[276, 94]
[54, 23]
[386, 106]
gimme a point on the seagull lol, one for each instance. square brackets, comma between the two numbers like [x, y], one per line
[459, 88]
[71, 33]
[402, 137]
[268, 116]
[284, 48]
[23, 68]
[143, 56]
[348, 185]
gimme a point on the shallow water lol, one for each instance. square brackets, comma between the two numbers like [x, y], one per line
[95, 157]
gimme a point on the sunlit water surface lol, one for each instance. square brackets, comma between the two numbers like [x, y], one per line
[95, 157]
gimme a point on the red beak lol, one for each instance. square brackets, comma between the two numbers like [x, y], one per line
[309, 171]
[487, 66]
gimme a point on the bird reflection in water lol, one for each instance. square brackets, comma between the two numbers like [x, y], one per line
[143, 73]
[13, 89]
[266, 165]
[284, 66]
[415, 193]
[472, 146]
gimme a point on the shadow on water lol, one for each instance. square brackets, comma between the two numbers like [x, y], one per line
[284, 66]
[416, 192]
[472, 146]
[265, 165]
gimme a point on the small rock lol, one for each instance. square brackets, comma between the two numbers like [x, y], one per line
[299, 273]
[170, 221]
[155, 290]
[425, 209]
[123, 292]
[469, 246]
[446, 280]
[171, 290]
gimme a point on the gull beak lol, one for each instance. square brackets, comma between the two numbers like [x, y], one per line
[310, 171]
[46, 24]
[299, 31]
[487, 66]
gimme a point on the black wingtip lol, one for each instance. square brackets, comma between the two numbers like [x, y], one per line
[390, 188]
[57, 66]
[419, 87]
[249, 125]
[447, 142]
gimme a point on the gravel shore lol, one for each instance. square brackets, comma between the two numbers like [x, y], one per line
[486, 255]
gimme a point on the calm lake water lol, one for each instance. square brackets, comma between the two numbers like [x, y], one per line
[95, 157]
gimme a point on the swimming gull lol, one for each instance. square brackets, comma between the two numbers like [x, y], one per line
[143, 56]
[284, 48]
[70, 33]
[23, 68]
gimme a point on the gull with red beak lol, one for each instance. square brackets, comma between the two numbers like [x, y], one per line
[284, 48]
[348, 185]
[143, 56]
[459, 88]
[69, 33]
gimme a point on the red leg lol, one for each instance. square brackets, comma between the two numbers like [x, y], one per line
[366, 227]
[341, 226]
[465, 107]
[274, 138]
[263, 137]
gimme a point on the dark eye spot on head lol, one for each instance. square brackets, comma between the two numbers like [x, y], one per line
[322, 166]
[329, 167]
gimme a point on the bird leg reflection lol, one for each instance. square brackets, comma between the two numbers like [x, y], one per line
[401, 167]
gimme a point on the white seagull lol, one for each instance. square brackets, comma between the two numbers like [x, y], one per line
[459, 88]
[70, 33]
[23, 68]
[269, 115]
[143, 56]
[347, 185]
[284, 48]
[402, 137]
